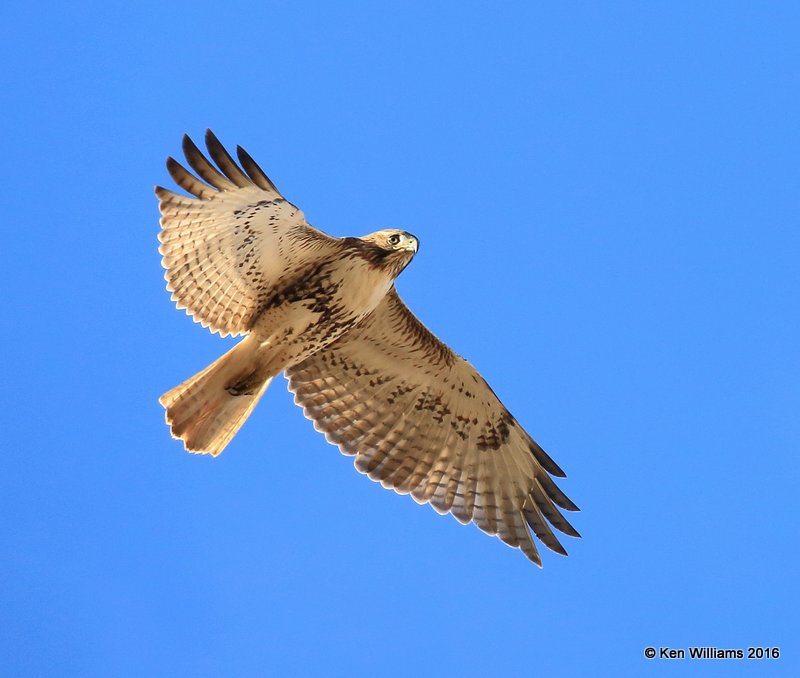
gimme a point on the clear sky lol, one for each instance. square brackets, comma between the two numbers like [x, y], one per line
[606, 196]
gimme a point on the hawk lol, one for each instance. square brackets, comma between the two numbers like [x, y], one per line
[418, 418]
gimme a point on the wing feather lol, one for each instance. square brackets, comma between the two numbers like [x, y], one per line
[228, 249]
[255, 173]
[421, 420]
[200, 164]
[225, 162]
[187, 181]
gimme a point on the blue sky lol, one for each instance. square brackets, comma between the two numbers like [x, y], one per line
[606, 196]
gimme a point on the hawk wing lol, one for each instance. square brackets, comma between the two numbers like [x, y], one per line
[421, 420]
[226, 249]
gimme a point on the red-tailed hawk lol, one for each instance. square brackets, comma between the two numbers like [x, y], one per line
[418, 418]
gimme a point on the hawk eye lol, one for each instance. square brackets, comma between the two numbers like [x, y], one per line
[394, 239]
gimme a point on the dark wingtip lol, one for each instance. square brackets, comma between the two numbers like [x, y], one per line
[531, 553]
[256, 174]
[225, 162]
[172, 164]
[551, 467]
[546, 460]
[210, 137]
[188, 145]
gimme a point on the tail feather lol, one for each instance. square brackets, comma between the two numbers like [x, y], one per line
[208, 409]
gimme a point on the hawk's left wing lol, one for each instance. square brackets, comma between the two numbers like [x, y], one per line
[236, 242]
[421, 420]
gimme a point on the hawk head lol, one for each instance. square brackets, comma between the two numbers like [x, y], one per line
[391, 249]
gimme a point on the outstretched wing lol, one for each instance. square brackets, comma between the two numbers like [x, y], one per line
[226, 249]
[421, 420]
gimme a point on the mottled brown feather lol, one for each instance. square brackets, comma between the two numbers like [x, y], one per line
[226, 249]
[421, 420]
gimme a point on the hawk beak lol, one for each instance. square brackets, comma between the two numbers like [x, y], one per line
[412, 245]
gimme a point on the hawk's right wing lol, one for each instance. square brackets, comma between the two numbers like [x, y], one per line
[227, 249]
[421, 420]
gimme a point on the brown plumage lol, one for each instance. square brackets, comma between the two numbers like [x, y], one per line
[417, 417]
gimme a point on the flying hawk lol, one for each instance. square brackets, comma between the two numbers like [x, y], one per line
[242, 260]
